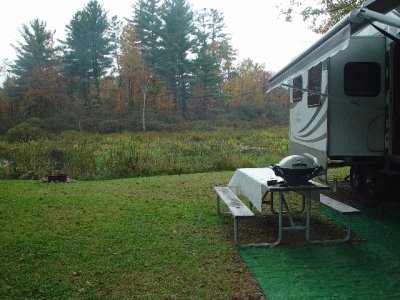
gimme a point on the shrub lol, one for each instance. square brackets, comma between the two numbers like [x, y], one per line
[6, 123]
[276, 112]
[89, 124]
[61, 122]
[28, 160]
[3, 150]
[24, 132]
[155, 125]
[203, 126]
[244, 112]
[112, 126]
[34, 121]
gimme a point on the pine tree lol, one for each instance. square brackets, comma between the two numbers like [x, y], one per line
[175, 44]
[36, 70]
[35, 52]
[88, 48]
[205, 75]
[147, 22]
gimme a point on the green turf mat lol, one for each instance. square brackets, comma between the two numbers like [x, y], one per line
[370, 270]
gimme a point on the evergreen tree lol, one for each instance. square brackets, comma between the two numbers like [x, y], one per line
[175, 44]
[206, 78]
[36, 71]
[88, 48]
[191, 56]
[35, 52]
[221, 46]
[147, 22]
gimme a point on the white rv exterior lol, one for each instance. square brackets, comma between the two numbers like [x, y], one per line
[345, 95]
[353, 121]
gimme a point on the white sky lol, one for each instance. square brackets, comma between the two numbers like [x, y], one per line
[257, 30]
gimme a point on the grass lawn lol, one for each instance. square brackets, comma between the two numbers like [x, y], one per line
[154, 237]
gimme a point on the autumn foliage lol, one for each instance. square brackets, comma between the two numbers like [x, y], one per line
[150, 67]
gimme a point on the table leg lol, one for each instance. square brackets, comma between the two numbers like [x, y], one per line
[217, 206]
[308, 213]
[303, 204]
[280, 217]
[272, 203]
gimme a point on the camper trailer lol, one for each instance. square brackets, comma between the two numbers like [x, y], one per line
[345, 97]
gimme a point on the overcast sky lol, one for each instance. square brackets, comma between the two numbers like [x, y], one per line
[257, 30]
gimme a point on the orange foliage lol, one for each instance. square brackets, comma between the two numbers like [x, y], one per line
[42, 93]
[110, 95]
[162, 100]
[249, 86]
[131, 66]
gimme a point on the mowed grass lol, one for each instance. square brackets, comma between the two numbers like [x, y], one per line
[155, 237]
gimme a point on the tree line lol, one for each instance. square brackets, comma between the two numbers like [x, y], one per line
[166, 60]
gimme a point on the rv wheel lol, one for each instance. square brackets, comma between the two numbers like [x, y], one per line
[357, 178]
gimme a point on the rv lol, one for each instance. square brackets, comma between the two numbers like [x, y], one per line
[345, 97]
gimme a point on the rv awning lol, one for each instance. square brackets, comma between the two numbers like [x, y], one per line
[335, 40]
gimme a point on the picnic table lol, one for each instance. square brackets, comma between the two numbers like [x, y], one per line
[257, 183]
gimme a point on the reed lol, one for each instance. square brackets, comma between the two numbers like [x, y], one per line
[95, 156]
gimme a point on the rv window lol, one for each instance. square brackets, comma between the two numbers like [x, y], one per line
[297, 93]
[362, 79]
[314, 85]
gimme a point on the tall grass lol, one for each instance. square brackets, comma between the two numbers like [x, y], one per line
[95, 156]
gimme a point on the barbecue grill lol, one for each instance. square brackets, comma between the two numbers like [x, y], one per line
[297, 169]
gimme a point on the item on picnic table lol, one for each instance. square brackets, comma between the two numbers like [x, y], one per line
[297, 169]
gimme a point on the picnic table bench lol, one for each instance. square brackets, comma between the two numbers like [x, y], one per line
[236, 207]
[342, 209]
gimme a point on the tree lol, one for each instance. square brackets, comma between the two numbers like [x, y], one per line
[321, 15]
[205, 84]
[175, 44]
[10, 92]
[227, 56]
[147, 22]
[249, 86]
[128, 56]
[35, 52]
[4, 68]
[6, 120]
[43, 94]
[134, 70]
[88, 48]
[36, 69]
[220, 42]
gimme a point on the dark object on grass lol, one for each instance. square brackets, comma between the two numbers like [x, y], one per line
[57, 178]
